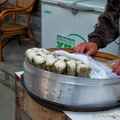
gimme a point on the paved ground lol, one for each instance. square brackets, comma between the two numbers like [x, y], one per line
[13, 61]
[13, 55]
[7, 103]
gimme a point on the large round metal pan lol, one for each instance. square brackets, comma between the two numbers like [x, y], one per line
[71, 91]
[62, 107]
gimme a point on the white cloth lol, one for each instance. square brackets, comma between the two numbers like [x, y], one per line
[99, 70]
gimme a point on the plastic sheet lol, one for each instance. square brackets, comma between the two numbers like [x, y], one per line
[99, 69]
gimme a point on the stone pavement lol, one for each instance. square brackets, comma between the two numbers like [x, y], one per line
[13, 61]
[13, 55]
[7, 103]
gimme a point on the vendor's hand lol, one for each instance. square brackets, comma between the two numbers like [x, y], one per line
[116, 67]
[87, 48]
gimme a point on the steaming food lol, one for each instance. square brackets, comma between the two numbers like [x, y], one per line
[30, 54]
[83, 70]
[44, 59]
[59, 67]
[38, 61]
[79, 62]
[51, 56]
[35, 49]
[43, 50]
[49, 63]
[62, 58]
[71, 67]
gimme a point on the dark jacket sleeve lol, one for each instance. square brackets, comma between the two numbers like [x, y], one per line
[106, 30]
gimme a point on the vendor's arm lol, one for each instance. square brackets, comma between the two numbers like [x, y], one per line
[106, 30]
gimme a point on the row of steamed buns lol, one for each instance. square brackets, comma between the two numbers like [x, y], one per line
[49, 61]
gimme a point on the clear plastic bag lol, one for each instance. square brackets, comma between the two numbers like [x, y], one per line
[98, 69]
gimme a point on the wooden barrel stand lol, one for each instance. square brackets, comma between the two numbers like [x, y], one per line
[28, 109]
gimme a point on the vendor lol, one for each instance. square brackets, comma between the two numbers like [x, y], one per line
[105, 32]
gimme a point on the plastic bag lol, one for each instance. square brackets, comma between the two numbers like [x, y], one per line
[98, 69]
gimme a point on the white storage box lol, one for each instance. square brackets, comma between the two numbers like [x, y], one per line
[64, 27]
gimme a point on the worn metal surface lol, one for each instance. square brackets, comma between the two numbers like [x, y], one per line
[71, 91]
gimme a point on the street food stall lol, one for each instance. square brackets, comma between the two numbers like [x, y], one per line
[45, 93]
[42, 94]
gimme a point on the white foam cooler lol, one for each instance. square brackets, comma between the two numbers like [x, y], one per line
[66, 23]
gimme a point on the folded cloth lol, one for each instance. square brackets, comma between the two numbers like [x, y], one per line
[98, 69]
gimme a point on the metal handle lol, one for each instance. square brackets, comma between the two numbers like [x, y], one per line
[75, 6]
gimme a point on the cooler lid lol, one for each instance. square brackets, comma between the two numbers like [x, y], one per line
[97, 5]
[56, 1]
[92, 5]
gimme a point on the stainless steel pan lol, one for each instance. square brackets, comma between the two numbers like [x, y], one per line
[71, 91]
